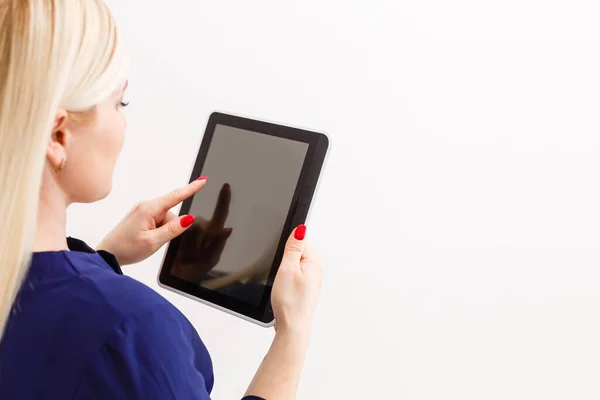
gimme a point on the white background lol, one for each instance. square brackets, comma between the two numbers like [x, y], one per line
[459, 214]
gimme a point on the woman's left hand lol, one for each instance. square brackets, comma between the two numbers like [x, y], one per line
[149, 225]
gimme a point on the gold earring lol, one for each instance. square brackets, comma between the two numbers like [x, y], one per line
[62, 165]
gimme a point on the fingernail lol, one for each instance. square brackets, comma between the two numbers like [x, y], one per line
[300, 232]
[187, 221]
[202, 178]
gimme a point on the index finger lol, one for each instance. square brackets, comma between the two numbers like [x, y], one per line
[176, 196]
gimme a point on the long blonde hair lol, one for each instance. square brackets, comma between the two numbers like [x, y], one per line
[53, 54]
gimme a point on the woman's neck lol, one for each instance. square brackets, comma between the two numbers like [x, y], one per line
[52, 218]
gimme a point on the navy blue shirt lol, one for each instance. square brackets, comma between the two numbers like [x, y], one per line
[80, 329]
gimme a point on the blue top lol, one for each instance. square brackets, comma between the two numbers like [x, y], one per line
[80, 329]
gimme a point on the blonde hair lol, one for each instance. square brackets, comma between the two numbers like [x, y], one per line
[53, 54]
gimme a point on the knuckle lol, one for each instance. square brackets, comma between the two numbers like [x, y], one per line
[148, 241]
[177, 194]
[141, 207]
[294, 247]
[137, 206]
[172, 229]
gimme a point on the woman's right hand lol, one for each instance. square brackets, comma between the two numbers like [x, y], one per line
[297, 285]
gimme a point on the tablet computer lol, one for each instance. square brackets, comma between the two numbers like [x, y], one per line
[262, 178]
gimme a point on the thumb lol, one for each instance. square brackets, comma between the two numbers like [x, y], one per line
[294, 248]
[174, 228]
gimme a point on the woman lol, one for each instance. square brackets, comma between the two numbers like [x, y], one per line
[73, 326]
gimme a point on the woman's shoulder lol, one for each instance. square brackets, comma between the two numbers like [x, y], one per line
[129, 308]
[90, 286]
[105, 286]
[124, 295]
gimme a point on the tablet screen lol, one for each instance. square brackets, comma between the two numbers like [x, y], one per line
[240, 213]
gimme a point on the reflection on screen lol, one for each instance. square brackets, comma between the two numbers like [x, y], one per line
[240, 213]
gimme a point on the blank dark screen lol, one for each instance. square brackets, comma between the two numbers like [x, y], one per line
[240, 213]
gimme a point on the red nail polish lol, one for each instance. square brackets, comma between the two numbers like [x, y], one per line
[202, 178]
[300, 232]
[187, 221]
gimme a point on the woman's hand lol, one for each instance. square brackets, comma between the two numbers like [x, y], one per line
[149, 225]
[294, 299]
[297, 285]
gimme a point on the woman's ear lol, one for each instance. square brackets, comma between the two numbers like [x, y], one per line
[58, 143]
